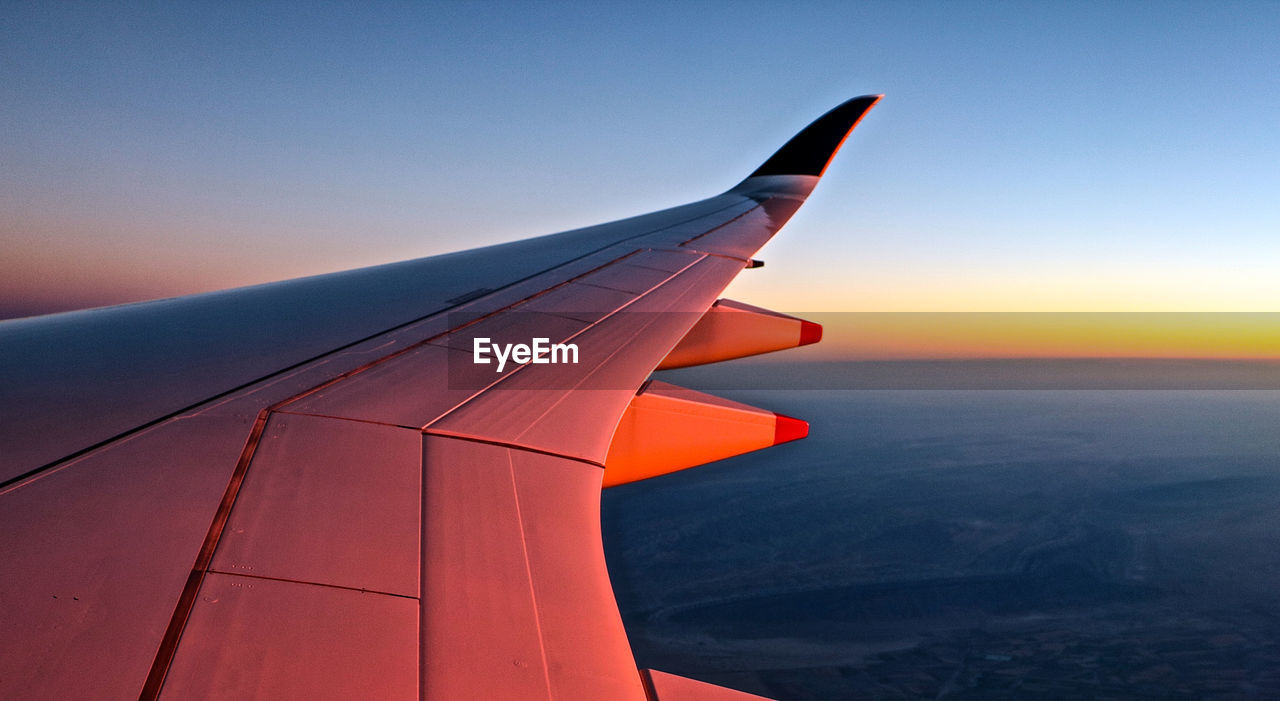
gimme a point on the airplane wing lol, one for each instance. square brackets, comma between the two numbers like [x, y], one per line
[312, 489]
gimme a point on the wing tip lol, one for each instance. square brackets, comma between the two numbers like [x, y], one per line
[810, 151]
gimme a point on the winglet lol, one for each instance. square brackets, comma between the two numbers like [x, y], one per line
[809, 152]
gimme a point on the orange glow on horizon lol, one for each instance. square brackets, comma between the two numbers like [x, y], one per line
[941, 335]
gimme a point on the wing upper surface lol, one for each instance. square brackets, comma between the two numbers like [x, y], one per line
[305, 479]
[134, 364]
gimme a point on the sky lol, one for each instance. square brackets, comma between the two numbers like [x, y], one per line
[1027, 156]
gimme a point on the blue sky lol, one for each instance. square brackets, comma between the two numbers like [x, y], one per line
[1027, 156]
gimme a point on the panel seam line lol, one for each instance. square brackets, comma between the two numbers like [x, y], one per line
[528, 569]
[187, 599]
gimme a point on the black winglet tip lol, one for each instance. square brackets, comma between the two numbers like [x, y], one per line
[809, 152]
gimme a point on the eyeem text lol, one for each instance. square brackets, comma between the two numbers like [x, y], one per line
[540, 351]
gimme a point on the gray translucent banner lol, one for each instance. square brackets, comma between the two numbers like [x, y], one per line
[888, 350]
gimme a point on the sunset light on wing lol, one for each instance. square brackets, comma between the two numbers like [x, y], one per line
[572, 350]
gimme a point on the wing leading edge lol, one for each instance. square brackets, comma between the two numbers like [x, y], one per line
[307, 488]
